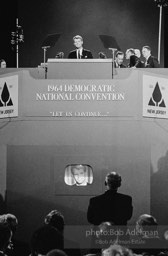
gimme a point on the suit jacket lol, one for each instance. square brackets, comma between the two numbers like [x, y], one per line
[152, 62]
[121, 66]
[110, 206]
[86, 54]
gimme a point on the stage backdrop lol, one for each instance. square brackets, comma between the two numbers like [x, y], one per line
[132, 23]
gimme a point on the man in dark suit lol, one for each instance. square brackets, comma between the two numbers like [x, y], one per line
[111, 206]
[80, 52]
[151, 61]
[119, 58]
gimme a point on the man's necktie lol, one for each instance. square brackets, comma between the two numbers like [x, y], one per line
[78, 54]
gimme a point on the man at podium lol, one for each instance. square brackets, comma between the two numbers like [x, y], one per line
[80, 52]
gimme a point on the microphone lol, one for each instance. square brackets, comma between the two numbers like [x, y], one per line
[59, 55]
[102, 55]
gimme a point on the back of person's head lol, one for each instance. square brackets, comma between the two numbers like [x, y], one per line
[78, 37]
[5, 236]
[55, 219]
[146, 222]
[10, 220]
[45, 239]
[113, 180]
[117, 250]
[104, 229]
[56, 253]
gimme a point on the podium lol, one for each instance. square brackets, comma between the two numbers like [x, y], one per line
[82, 69]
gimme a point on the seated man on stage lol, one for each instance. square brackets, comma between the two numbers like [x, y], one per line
[80, 52]
[151, 61]
[119, 58]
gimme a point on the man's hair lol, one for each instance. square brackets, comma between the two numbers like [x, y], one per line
[147, 47]
[5, 234]
[78, 37]
[119, 53]
[55, 219]
[113, 180]
[131, 50]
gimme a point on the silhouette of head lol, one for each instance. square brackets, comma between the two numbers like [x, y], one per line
[146, 222]
[113, 181]
[56, 253]
[10, 220]
[55, 219]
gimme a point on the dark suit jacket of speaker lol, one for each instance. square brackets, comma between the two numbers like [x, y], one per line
[86, 54]
[110, 206]
[152, 62]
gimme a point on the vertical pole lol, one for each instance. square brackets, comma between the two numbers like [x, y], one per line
[160, 32]
[17, 45]
[45, 55]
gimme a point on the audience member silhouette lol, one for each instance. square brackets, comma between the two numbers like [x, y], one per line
[45, 239]
[146, 228]
[18, 247]
[55, 219]
[109, 206]
[5, 238]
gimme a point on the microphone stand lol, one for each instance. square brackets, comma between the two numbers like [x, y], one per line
[45, 65]
[17, 37]
[113, 51]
